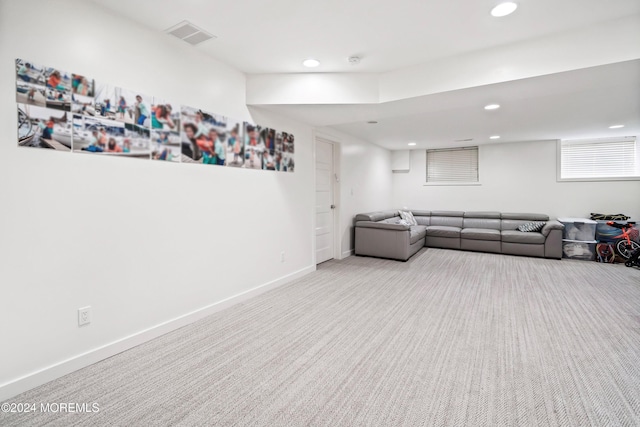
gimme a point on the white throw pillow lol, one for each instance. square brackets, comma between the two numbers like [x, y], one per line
[408, 216]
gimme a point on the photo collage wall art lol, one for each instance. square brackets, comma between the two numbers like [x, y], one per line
[71, 112]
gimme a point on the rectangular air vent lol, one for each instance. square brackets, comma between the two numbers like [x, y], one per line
[190, 33]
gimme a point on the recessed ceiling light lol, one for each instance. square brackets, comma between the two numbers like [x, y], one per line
[492, 107]
[616, 126]
[411, 143]
[310, 63]
[494, 137]
[372, 122]
[504, 9]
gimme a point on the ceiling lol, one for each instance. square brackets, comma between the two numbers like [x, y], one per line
[574, 104]
[275, 36]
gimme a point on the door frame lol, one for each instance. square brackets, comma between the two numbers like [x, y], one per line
[337, 247]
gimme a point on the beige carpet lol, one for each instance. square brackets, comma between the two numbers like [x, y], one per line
[448, 338]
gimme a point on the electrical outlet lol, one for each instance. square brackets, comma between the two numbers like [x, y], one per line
[282, 256]
[84, 316]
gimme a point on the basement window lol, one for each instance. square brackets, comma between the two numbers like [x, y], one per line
[603, 159]
[452, 166]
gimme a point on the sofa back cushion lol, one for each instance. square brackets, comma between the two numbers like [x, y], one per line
[511, 221]
[447, 218]
[490, 215]
[490, 223]
[422, 220]
[526, 216]
[422, 217]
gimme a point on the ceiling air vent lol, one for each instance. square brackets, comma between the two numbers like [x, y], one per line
[189, 33]
[464, 140]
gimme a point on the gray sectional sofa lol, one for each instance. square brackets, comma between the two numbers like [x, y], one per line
[380, 234]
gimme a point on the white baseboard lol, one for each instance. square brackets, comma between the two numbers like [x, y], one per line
[57, 370]
[346, 254]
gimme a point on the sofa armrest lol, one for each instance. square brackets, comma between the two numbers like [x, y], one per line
[551, 225]
[382, 225]
[383, 240]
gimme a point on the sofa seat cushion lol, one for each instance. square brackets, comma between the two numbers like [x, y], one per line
[480, 234]
[514, 236]
[443, 231]
[417, 232]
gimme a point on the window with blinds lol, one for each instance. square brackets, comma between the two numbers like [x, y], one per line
[452, 165]
[599, 159]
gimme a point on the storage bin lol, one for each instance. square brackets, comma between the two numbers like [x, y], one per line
[578, 249]
[582, 229]
[607, 234]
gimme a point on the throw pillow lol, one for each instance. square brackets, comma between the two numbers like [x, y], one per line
[403, 222]
[408, 216]
[532, 226]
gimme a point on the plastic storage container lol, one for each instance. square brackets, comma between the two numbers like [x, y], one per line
[607, 234]
[578, 249]
[582, 229]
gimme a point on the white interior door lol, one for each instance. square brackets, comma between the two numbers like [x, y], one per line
[324, 201]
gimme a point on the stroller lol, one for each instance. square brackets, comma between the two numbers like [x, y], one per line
[634, 260]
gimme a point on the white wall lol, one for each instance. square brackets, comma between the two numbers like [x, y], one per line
[141, 242]
[365, 181]
[516, 177]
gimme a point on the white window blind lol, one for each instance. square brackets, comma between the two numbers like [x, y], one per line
[599, 158]
[454, 165]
